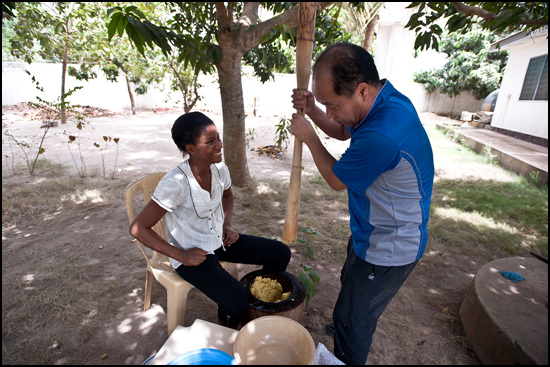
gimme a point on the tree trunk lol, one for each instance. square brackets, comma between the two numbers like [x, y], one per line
[369, 34]
[190, 102]
[64, 71]
[63, 74]
[132, 103]
[231, 90]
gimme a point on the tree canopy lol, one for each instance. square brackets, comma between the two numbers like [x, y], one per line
[221, 36]
[469, 66]
[497, 17]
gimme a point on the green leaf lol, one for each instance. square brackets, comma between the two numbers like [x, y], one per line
[141, 31]
[414, 5]
[121, 26]
[456, 22]
[109, 11]
[309, 252]
[414, 21]
[159, 36]
[314, 276]
[435, 43]
[135, 10]
[136, 38]
[113, 24]
[303, 279]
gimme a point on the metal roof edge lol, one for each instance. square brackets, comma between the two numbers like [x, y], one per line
[518, 38]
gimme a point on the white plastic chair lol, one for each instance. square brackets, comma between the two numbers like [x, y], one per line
[158, 266]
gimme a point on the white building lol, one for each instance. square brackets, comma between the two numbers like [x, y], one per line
[522, 104]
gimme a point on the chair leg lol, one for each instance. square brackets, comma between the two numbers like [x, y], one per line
[149, 278]
[176, 303]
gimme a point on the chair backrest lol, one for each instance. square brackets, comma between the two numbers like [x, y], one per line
[146, 187]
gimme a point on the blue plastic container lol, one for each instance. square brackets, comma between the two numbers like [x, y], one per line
[204, 356]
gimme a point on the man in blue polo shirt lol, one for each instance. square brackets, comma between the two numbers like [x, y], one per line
[388, 172]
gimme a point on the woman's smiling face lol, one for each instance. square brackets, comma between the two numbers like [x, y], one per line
[208, 146]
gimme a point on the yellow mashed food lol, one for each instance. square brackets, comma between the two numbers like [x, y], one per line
[268, 290]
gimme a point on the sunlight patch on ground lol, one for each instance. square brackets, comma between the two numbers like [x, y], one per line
[432, 253]
[262, 188]
[474, 172]
[94, 196]
[145, 154]
[433, 291]
[475, 219]
[28, 279]
[89, 318]
[51, 216]
[151, 316]
[125, 326]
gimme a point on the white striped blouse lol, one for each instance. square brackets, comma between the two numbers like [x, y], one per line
[194, 217]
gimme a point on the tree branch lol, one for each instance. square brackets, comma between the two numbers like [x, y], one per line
[534, 22]
[250, 13]
[223, 16]
[487, 15]
[474, 10]
[289, 18]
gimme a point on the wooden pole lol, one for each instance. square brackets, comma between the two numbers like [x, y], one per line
[304, 50]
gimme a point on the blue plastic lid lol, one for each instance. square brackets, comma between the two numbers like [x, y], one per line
[204, 356]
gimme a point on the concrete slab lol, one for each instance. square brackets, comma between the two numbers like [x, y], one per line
[514, 154]
[506, 322]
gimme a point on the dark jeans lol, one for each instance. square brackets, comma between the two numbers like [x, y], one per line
[366, 291]
[217, 284]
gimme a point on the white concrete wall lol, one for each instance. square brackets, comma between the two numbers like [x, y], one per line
[444, 105]
[272, 98]
[17, 87]
[396, 61]
[527, 117]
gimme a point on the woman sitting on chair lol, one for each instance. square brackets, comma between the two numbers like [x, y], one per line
[197, 200]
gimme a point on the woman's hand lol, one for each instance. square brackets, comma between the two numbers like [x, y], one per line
[193, 257]
[229, 236]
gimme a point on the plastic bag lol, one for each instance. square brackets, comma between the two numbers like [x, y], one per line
[324, 357]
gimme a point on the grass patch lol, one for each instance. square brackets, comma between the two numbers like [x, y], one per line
[491, 211]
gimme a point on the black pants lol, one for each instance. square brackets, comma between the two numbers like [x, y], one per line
[217, 284]
[367, 290]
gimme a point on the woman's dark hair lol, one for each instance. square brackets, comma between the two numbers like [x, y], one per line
[349, 66]
[188, 128]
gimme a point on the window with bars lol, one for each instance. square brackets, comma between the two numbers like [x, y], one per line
[535, 85]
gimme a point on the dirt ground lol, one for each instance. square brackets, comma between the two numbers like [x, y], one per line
[107, 270]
